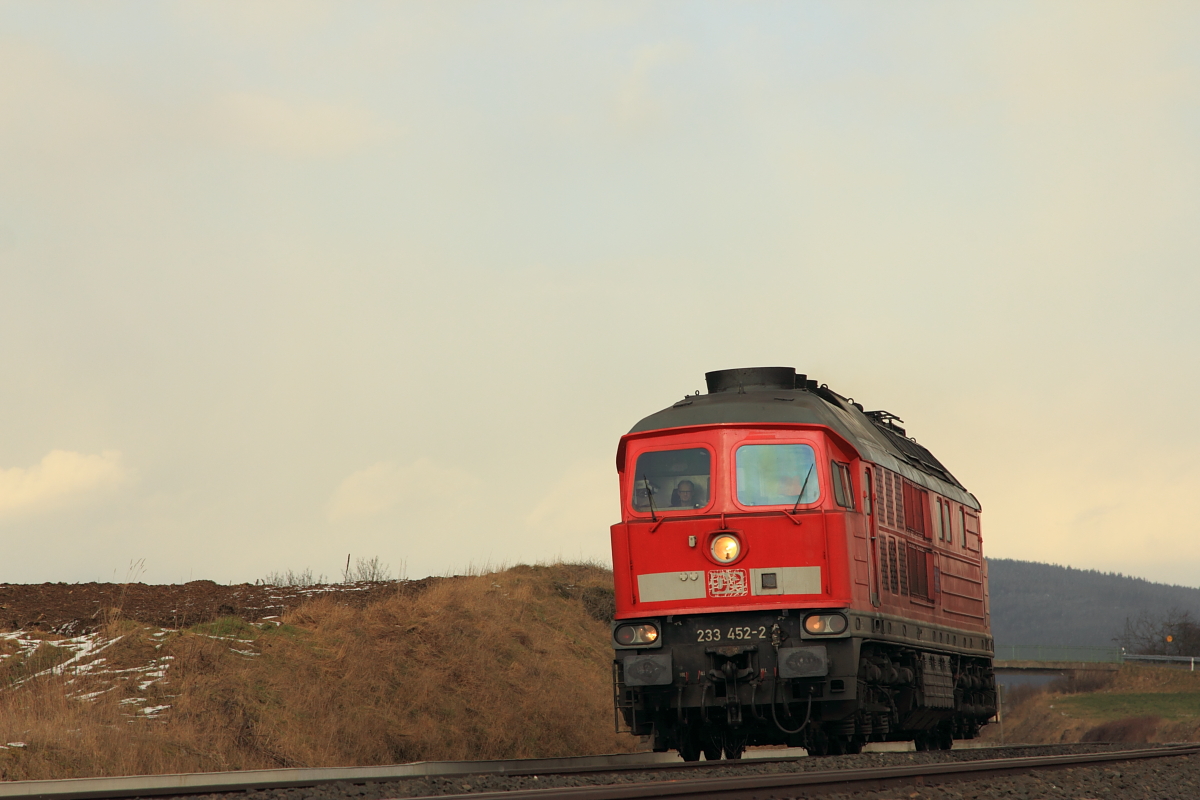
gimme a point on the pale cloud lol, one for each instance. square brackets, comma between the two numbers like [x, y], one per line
[51, 108]
[1003, 197]
[48, 107]
[61, 477]
[385, 486]
[275, 23]
[637, 104]
[583, 501]
[304, 128]
[1124, 518]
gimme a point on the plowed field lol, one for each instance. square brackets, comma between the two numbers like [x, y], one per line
[75, 608]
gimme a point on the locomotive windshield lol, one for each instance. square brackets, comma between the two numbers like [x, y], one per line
[776, 474]
[671, 480]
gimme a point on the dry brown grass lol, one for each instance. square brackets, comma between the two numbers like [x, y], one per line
[1131, 730]
[503, 665]
[1083, 681]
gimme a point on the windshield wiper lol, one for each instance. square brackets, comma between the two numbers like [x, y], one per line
[650, 497]
[803, 488]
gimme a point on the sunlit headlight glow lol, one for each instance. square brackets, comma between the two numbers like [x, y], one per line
[634, 635]
[726, 548]
[825, 624]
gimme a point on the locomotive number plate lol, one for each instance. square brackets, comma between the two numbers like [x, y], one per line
[733, 634]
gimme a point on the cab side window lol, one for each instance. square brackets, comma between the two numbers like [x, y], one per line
[843, 486]
[868, 488]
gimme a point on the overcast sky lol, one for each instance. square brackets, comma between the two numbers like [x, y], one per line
[281, 282]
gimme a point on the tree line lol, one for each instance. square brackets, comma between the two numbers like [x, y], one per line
[1047, 604]
[1175, 633]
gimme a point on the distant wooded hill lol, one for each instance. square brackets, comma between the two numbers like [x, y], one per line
[1051, 605]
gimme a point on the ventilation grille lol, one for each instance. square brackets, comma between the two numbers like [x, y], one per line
[892, 572]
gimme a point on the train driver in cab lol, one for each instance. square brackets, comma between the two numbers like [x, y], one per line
[686, 495]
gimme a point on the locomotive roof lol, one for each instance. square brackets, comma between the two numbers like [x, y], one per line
[778, 395]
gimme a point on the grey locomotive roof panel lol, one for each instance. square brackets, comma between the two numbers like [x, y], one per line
[763, 395]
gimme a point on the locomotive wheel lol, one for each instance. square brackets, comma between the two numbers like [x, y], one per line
[921, 742]
[712, 750]
[733, 751]
[852, 747]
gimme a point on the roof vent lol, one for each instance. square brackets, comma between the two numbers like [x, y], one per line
[886, 419]
[750, 379]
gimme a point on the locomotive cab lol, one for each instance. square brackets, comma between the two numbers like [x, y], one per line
[754, 576]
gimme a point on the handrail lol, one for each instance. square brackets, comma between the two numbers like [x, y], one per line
[1182, 659]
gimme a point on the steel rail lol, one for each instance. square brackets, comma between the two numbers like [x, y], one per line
[246, 780]
[754, 786]
[242, 780]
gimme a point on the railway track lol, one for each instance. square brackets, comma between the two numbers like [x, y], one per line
[761, 787]
[596, 778]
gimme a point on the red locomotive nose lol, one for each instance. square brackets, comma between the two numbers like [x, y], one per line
[792, 569]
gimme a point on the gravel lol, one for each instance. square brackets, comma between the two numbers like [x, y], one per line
[1175, 778]
[1158, 778]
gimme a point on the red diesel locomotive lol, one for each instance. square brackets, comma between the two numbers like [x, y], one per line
[791, 569]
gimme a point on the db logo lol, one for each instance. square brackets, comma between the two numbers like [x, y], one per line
[728, 583]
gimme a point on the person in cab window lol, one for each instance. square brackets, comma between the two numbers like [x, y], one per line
[686, 495]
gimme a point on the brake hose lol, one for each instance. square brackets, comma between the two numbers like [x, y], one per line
[775, 714]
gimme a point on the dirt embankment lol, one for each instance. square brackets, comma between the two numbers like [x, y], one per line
[74, 608]
[511, 664]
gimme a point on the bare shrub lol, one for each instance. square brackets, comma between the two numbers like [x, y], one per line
[1131, 730]
[370, 570]
[289, 578]
[1081, 681]
[1021, 694]
[600, 602]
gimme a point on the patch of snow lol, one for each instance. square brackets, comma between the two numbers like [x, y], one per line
[83, 647]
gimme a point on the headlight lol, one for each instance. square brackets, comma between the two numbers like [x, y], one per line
[634, 635]
[726, 548]
[825, 624]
